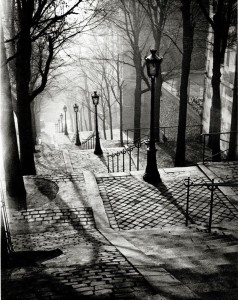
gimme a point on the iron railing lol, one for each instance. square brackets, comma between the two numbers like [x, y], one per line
[224, 143]
[89, 142]
[5, 224]
[166, 133]
[116, 162]
[211, 186]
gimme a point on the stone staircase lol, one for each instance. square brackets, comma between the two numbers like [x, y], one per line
[205, 263]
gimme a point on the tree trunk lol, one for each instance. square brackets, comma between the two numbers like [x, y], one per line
[81, 119]
[186, 60]
[232, 153]
[157, 28]
[87, 97]
[137, 93]
[215, 112]
[33, 120]
[104, 128]
[14, 181]
[121, 116]
[23, 74]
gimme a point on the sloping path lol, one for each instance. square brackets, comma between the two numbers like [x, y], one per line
[73, 211]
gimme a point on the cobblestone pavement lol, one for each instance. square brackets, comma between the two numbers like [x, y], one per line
[87, 160]
[61, 255]
[89, 267]
[55, 191]
[133, 204]
[49, 160]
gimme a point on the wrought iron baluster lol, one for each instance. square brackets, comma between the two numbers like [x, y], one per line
[123, 160]
[108, 167]
[187, 206]
[118, 153]
[212, 189]
[203, 149]
[129, 153]
[6, 228]
[113, 163]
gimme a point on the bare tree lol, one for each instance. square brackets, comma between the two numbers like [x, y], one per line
[188, 33]
[222, 18]
[13, 176]
[51, 24]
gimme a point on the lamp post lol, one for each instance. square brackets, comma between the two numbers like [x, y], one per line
[65, 123]
[61, 117]
[98, 150]
[151, 173]
[58, 125]
[76, 109]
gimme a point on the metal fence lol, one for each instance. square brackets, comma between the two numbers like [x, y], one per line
[166, 133]
[224, 138]
[5, 227]
[200, 205]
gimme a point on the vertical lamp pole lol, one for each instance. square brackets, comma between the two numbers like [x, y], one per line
[76, 109]
[61, 117]
[151, 173]
[98, 150]
[58, 125]
[65, 123]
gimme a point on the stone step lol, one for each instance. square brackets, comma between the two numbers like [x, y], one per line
[58, 219]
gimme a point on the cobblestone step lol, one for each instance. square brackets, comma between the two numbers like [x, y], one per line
[41, 220]
[89, 266]
[195, 259]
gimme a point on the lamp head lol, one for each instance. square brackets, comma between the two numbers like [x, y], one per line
[76, 107]
[95, 98]
[65, 108]
[153, 62]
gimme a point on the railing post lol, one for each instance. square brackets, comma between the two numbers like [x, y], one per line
[5, 224]
[127, 136]
[112, 163]
[203, 149]
[138, 155]
[118, 161]
[123, 162]
[211, 206]
[187, 205]
[108, 167]
[129, 158]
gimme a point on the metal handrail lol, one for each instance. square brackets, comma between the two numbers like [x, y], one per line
[89, 143]
[126, 150]
[162, 129]
[204, 135]
[5, 223]
[212, 186]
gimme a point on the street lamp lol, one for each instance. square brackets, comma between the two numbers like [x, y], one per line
[65, 123]
[58, 125]
[76, 109]
[151, 172]
[98, 150]
[61, 117]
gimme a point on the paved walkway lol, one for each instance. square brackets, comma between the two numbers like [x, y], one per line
[114, 236]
